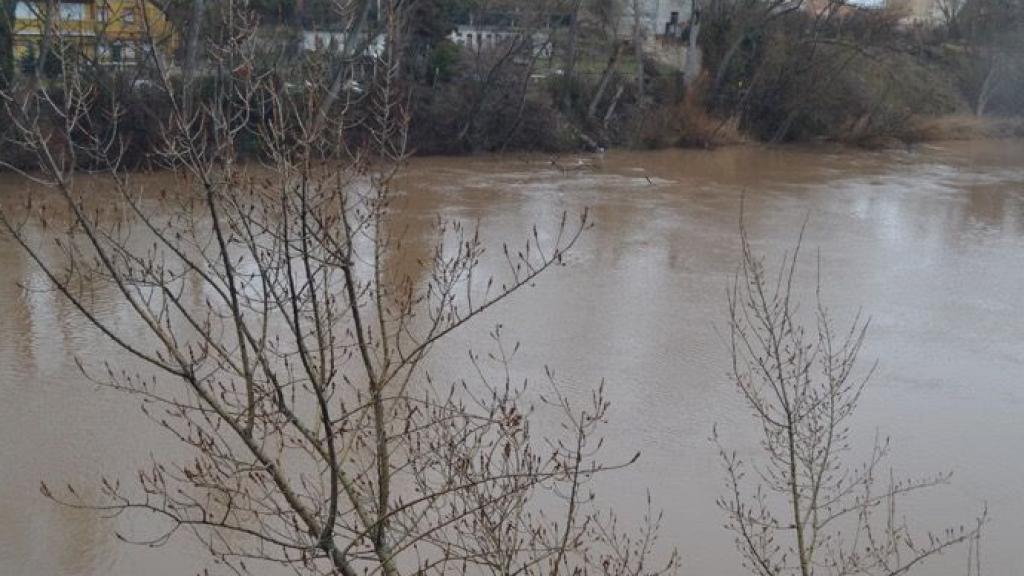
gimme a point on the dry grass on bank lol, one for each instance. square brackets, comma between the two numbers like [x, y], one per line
[689, 124]
[966, 127]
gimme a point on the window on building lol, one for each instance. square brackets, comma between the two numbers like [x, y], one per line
[72, 11]
[129, 15]
[24, 11]
[103, 13]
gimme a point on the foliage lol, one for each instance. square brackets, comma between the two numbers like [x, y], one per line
[443, 60]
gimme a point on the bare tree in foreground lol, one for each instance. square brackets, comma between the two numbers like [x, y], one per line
[282, 345]
[807, 509]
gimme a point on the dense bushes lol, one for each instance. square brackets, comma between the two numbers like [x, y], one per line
[794, 78]
[133, 110]
[848, 97]
[460, 117]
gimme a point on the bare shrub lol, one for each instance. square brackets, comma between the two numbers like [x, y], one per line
[804, 508]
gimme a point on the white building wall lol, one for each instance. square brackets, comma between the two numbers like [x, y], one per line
[482, 38]
[314, 40]
[654, 16]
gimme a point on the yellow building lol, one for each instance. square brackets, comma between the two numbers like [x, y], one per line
[110, 32]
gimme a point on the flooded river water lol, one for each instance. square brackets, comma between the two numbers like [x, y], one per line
[929, 243]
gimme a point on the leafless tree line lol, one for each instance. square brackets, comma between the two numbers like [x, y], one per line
[806, 506]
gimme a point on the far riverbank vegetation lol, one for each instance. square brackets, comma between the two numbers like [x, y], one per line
[546, 75]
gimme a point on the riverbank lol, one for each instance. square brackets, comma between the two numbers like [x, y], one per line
[707, 133]
[673, 117]
[932, 130]
[962, 127]
[953, 127]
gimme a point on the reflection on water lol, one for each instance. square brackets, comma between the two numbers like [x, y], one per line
[930, 243]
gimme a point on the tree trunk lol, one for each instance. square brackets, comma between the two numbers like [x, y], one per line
[691, 70]
[638, 51]
[49, 10]
[606, 76]
[6, 44]
[611, 107]
[723, 66]
[192, 48]
[353, 43]
[524, 88]
[570, 57]
[987, 88]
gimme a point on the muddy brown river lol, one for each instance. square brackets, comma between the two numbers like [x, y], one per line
[929, 243]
